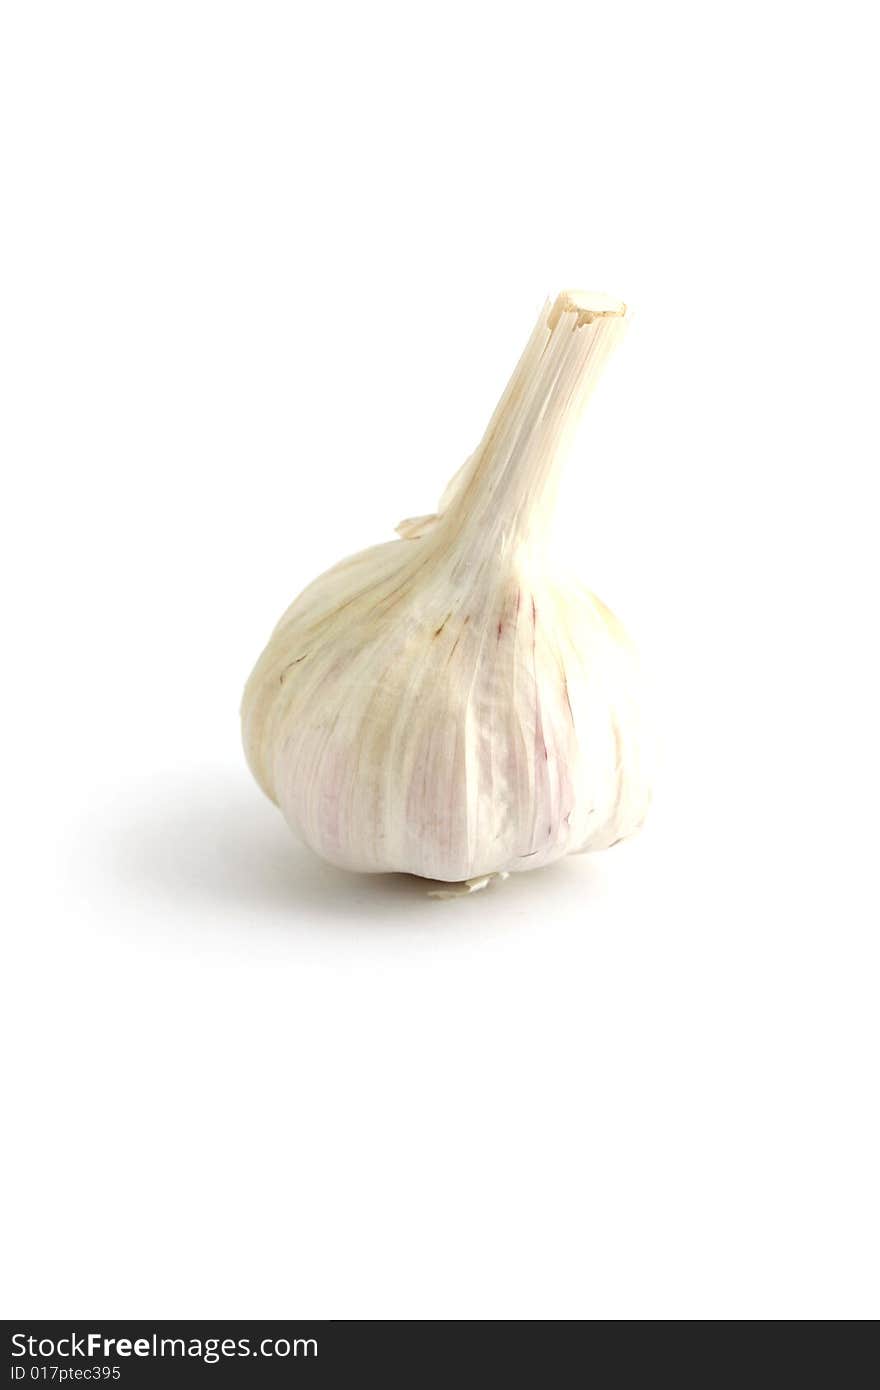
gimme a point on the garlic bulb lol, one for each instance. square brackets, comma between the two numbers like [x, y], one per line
[451, 704]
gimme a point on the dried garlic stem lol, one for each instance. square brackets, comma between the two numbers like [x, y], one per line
[507, 490]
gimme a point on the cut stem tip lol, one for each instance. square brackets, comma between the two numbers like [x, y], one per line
[587, 305]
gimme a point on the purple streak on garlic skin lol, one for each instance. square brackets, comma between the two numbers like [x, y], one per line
[448, 704]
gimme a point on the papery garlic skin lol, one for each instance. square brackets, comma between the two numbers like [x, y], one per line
[447, 704]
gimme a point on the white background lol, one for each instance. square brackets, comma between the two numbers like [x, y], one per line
[265, 269]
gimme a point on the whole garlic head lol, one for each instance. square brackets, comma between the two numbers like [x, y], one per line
[448, 704]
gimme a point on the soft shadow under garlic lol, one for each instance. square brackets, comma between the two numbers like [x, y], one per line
[211, 843]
